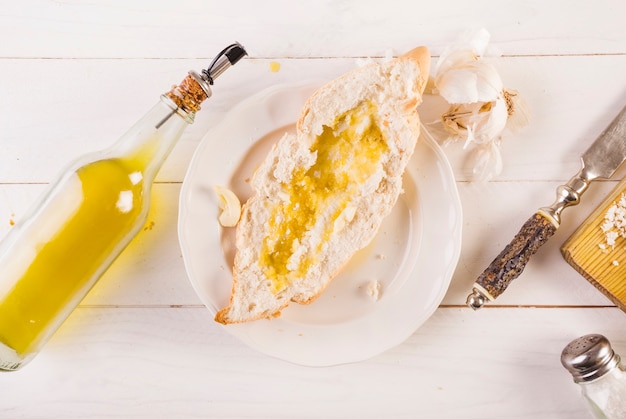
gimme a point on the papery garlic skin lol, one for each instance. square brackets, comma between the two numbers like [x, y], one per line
[486, 161]
[468, 45]
[518, 109]
[478, 122]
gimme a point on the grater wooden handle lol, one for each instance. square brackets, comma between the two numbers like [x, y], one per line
[510, 263]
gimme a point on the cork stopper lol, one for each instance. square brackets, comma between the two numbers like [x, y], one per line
[189, 94]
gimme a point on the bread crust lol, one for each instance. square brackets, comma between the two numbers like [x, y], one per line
[395, 88]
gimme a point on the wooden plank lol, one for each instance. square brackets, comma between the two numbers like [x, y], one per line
[197, 28]
[161, 362]
[85, 105]
[151, 271]
[75, 75]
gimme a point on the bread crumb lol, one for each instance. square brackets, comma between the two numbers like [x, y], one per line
[274, 66]
[148, 226]
[373, 289]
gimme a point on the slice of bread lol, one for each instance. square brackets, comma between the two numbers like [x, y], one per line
[321, 194]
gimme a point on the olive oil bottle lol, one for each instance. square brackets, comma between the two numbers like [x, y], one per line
[56, 253]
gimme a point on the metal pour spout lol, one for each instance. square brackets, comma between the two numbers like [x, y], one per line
[225, 59]
[228, 57]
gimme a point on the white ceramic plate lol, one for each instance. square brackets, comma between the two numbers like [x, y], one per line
[413, 256]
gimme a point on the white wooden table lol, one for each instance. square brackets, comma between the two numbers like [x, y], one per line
[74, 75]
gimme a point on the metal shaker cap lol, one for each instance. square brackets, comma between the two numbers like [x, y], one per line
[589, 357]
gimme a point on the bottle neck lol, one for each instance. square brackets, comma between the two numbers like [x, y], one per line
[146, 145]
[189, 94]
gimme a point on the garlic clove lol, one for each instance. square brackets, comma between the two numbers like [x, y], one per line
[230, 206]
[457, 86]
[495, 121]
[455, 59]
[478, 81]
[488, 82]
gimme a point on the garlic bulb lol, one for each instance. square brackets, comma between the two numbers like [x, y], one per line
[480, 107]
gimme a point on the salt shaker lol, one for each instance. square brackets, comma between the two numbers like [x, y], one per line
[597, 369]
